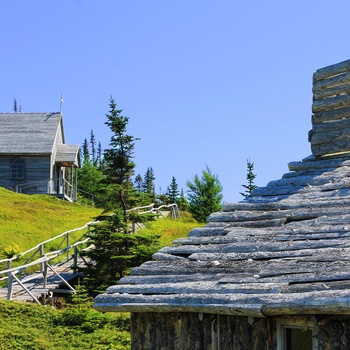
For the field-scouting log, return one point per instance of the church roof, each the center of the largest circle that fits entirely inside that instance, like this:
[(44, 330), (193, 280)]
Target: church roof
[(68, 155), (28, 133)]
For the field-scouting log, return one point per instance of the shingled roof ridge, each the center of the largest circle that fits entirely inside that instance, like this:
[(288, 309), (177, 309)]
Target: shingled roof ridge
[(23, 113)]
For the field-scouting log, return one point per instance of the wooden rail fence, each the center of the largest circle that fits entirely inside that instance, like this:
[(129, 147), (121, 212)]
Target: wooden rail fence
[(41, 257)]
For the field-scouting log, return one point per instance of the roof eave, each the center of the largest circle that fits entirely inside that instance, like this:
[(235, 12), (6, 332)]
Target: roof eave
[(229, 309), (257, 305), (19, 154)]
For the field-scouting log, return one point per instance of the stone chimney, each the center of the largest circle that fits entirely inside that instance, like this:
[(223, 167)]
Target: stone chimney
[(330, 134)]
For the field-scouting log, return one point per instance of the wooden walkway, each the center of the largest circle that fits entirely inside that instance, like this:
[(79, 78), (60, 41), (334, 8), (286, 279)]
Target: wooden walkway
[(34, 283), (34, 286)]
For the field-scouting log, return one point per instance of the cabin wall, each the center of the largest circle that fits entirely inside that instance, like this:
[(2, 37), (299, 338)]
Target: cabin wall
[(333, 332), (36, 174), (177, 331)]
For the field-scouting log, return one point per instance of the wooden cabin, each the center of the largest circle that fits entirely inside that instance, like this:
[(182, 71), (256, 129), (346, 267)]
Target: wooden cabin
[(270, 272), (34, 158)]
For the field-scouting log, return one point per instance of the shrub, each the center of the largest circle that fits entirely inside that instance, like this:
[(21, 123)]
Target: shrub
[(11, 250)]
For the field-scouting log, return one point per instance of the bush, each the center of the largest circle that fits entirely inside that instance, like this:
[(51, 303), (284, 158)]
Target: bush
[(34, 327), (11, 250)]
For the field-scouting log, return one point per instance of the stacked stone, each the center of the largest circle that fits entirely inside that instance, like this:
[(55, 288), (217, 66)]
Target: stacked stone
[(330, 134)]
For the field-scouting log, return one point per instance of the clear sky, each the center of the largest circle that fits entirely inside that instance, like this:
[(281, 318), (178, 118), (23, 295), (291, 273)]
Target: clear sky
[(203, 82)]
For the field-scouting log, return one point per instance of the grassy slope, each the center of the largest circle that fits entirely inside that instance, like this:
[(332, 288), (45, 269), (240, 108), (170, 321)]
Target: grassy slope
[(170, 229), (28, 220)]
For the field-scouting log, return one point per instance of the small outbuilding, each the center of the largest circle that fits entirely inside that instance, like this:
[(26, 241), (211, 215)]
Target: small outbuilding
[(34, 158), (270, 272)]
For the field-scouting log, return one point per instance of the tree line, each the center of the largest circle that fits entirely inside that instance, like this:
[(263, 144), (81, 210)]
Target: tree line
[(110, 176)]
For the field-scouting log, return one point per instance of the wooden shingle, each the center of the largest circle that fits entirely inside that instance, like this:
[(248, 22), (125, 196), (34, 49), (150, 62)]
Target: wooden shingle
[(28, 133)]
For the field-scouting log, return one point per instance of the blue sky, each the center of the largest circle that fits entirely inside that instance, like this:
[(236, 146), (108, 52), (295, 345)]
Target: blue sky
[(203, 82)]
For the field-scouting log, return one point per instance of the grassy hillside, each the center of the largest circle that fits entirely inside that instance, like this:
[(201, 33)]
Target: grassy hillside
[(34, 327), (170, 229), (28, 220)]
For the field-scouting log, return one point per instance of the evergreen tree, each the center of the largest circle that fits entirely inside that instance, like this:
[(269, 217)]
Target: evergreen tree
[(138, 182), (148, 183), (86, 153), (89, 180), (80, 300), (204, 195), (163, 199), (115, 252), (173, 193), (15, 106), (140, 198), (118, 164), (93, 147), (99, 155), (250, 187), (182, 201)]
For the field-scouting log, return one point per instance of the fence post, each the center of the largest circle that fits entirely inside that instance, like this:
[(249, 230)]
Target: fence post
[(9, 282), (68, 244), (45, 275), (41, 251), (75, 260)]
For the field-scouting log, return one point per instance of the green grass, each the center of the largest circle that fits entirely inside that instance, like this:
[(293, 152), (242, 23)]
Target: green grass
[(26, 220), (170, 229), (34, 327)]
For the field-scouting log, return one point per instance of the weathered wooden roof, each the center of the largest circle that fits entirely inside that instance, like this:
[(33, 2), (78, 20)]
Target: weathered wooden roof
[(285, 250), (28, 133), (68, 155)]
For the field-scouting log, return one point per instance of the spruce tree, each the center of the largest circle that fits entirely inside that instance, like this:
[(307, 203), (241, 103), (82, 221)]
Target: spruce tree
[(138, 182), (118, 164), (116, 249), (86, 153), (93, 147), (148, 183), (182, 201), (204, 195), (250, 187), (99, 155), (15, 106), (89, 178), (173, 193), (115, 252)]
